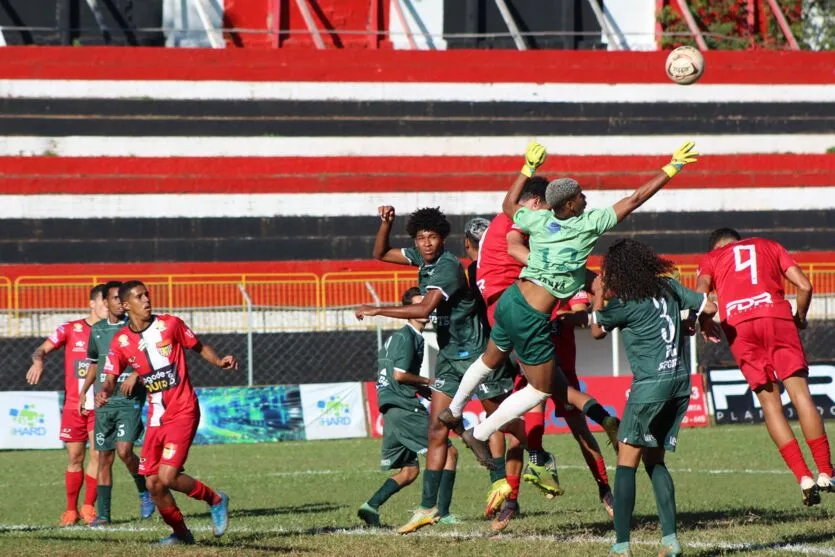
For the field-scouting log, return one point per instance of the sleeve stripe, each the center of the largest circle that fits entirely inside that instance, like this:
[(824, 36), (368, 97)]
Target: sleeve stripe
[(596, 322), (704, 303), (446, 296)]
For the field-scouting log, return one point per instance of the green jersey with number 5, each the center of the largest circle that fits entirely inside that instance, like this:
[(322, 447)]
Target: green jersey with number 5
[(560, 248), (101, 335), (657, 351)]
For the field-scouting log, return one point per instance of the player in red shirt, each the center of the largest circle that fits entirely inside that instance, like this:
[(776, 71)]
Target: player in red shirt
[(748, 277), (154, 347), (76, 428)]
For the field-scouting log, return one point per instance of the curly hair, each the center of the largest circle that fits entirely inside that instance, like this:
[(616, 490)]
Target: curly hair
[(633, 271), (430, 219)]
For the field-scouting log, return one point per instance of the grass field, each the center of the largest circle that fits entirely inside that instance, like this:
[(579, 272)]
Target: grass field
[(734, 498)]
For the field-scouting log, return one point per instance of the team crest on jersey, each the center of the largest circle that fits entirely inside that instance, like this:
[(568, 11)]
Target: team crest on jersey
[(164, 348), (123, 340), (159, 325), (77, 327), (169, 451), (554, 227)]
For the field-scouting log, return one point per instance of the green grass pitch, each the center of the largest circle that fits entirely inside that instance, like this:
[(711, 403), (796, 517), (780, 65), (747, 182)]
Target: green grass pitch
[(735, 497)]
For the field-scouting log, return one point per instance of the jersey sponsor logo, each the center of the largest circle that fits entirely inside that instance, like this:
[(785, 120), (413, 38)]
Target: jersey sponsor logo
[(554, 227), (80, 346), (168, 451), (81, 368), (160, 380), (164, 348), (744, 304), (124, 340), (77, 327)]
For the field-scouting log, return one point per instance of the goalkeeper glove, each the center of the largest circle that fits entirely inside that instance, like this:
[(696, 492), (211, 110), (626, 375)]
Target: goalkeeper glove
[(683, 156), (534, 157)]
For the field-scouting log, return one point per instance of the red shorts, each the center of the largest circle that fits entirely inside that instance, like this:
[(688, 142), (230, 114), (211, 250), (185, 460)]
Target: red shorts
[(75, 427), (766, 350), (168, 444)]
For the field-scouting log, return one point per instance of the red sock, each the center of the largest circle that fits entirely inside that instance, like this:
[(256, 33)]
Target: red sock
[(202, 492), (174, 518), (794, 460), (821, 455), (514, 486), (90, 490), (73, 481), (535, 428), (602, 477)]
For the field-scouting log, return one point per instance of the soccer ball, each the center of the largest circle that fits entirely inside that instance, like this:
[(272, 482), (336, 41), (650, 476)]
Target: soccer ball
[(685, 65)]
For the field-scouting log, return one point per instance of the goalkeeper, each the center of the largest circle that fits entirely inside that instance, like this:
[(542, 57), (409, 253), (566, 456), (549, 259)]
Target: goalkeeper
[(561, 239)]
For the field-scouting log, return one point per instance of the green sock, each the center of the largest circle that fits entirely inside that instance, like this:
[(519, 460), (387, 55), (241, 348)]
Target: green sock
[(389, 488), (665, 497), (498, 471), (445, 492), (140, 483), (103, 500), (624, 502), (595, 412), (431, 484)]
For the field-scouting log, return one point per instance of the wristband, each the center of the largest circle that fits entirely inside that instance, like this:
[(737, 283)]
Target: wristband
[(672, 169)]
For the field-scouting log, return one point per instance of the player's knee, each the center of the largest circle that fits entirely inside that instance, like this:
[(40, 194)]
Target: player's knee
[(408, 475), (153, 484), (438, 432), (125, 453)]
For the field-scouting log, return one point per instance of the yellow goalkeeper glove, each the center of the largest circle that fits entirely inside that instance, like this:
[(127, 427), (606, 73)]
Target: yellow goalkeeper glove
[(683, 156), (534, 157)]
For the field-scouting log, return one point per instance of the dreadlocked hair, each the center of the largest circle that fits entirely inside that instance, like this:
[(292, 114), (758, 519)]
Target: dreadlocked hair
[(430, 219), (633, 271)]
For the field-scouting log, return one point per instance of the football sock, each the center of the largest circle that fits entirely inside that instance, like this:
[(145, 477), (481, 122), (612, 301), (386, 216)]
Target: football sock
[(514, 487), (389, 488), (534, 429), (140, 483), (445, 492), (597, 467), (665, 497), (90, 490), (624, 502), (105, 492), (498, 471), (794, 460), (595, 412), (474, 375), (821, 454), (431, 484), (174, 518), (512, 407), (538, 458), (73, 481), (202, 492)]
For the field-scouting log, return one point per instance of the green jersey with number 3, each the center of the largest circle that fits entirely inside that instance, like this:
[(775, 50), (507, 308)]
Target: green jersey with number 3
[(101, 335), (402, 351), (560, 248), (657, 351), (460, 335)]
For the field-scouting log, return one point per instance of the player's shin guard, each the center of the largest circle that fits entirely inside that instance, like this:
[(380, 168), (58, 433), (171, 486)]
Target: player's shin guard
[(624, 502), (821, 454), (514, 482), (474, 375), (512, 407), (595, 412), (445, 492), (202, 492), (498, 472), (73, 482), (794, 460), (90, 490), (534, 429), (103, 507), (174, 518), (389, 488), (665, 497), (431, 485)]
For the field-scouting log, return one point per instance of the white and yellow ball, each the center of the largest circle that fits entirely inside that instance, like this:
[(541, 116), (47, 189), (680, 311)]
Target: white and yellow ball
[(685, 65)]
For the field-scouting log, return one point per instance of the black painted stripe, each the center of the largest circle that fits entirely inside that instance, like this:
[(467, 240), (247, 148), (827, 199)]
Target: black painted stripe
[(144, 117)]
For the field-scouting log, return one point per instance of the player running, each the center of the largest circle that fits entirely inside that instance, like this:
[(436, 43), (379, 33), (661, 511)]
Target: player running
[(405, 420), (449, 304), (561, 240), (153, 347), (76, 424), (119, 422), (646, 307), (748, 276)]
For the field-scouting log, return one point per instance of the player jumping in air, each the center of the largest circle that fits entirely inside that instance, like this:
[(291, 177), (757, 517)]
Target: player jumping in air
[(757, 320), (119, 423), (646, 307), (561, 240), (76, 426), (449, 304), (405, 420), (152, 346)]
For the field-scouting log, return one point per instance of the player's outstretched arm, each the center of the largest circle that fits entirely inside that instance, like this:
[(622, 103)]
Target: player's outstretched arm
[(682, 157), (430, 301), (382, 250), (535, 155), (208, 353), (804, 294), (33, 376)]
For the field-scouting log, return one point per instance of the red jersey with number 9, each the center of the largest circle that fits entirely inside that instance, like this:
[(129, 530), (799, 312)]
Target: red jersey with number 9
[(748, 279), (156, 354), (496, 270)]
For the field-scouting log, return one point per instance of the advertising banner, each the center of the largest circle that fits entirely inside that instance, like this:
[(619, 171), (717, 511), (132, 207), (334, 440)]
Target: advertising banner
[(734, 402), (333, 410), (30, 420)]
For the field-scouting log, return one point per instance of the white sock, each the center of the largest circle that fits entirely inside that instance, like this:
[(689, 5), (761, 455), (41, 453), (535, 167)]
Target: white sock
[(511, 408), (474, 375)]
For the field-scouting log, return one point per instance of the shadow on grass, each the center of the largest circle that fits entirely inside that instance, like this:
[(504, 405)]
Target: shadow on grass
[(306, 508)]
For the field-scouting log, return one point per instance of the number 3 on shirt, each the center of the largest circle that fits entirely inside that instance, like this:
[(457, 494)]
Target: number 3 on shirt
[(750, 261)]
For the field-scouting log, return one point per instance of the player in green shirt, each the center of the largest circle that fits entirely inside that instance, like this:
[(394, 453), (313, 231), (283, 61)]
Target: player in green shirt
[(449, 304), (646, 306), (119, 422), (561, 239), (405, 420)]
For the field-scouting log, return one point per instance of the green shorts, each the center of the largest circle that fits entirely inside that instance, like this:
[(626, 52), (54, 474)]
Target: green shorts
[(117, 425), (519, 326), (448, 374), (405, 436), (650, 423), (499, 383)]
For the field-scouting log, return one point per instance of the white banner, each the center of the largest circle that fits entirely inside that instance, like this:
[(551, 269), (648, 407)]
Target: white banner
[(29, 420), (333, 410)]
